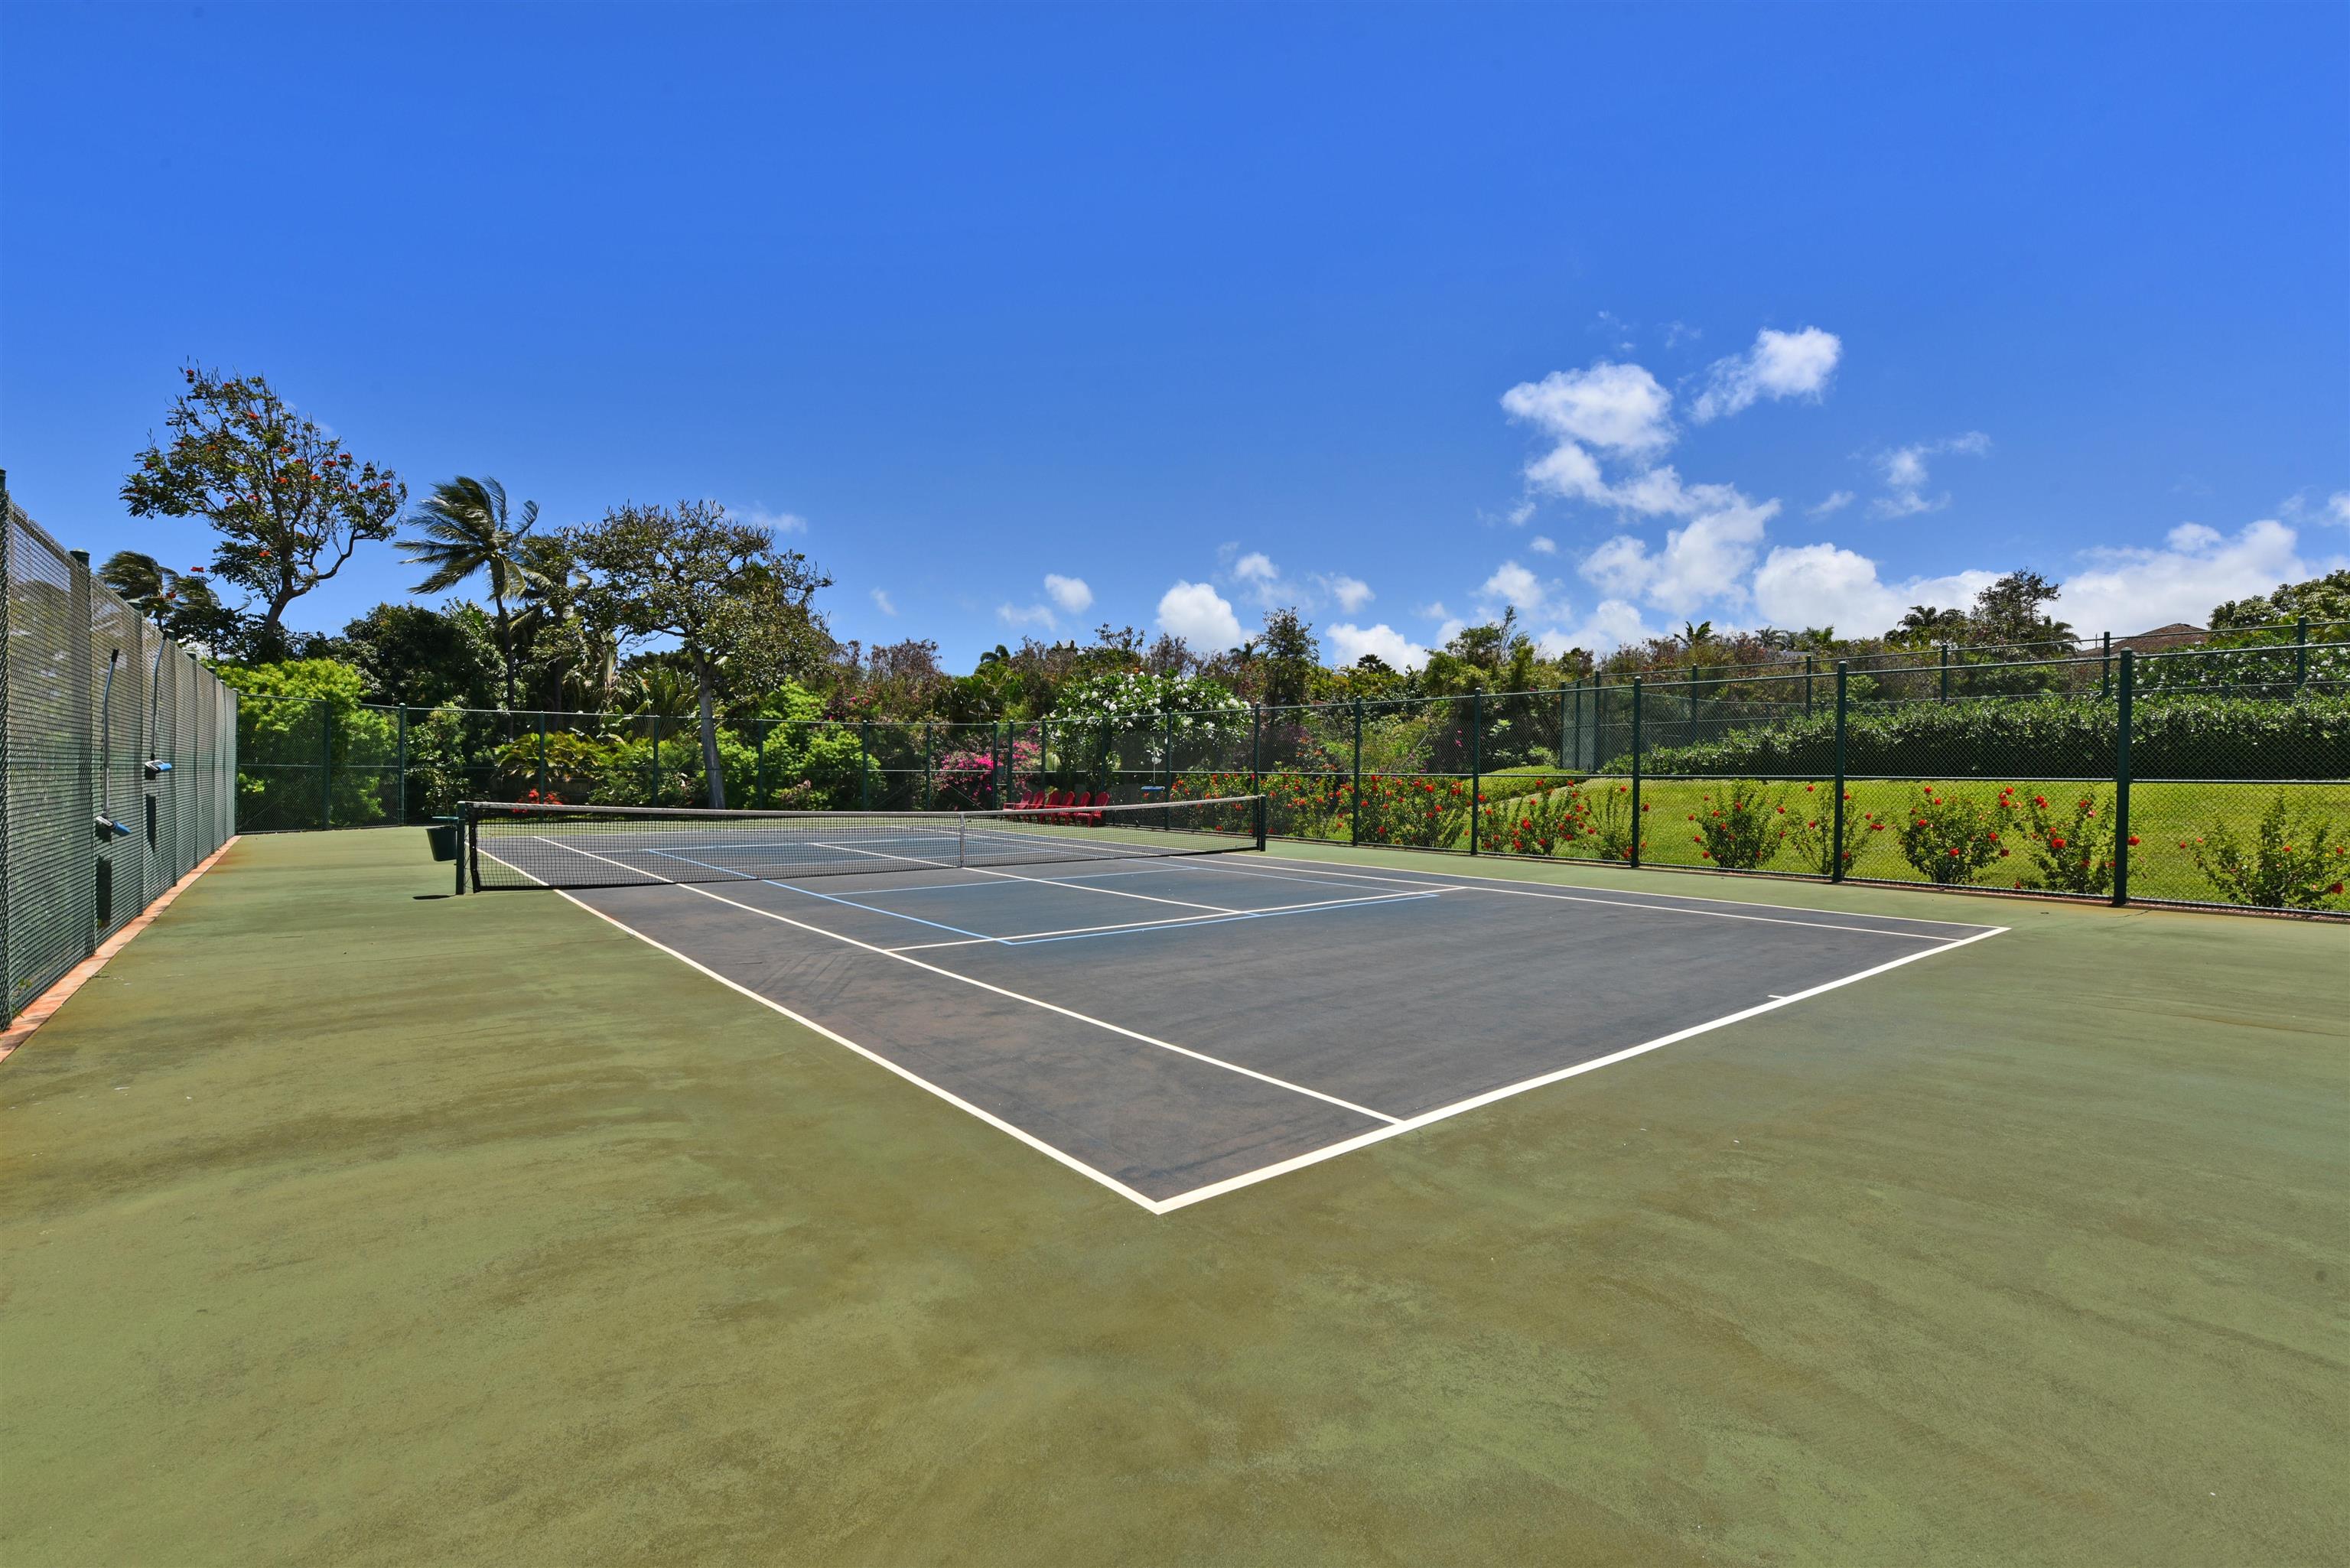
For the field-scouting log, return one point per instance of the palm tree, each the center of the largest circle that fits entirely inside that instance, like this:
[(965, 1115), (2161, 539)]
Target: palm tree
[(465, 531), (580, 657)]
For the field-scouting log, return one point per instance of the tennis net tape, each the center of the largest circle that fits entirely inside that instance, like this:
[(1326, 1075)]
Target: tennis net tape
[(537, 846)]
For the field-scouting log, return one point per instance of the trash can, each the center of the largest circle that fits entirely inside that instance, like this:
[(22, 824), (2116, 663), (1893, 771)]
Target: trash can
[(442, 834)]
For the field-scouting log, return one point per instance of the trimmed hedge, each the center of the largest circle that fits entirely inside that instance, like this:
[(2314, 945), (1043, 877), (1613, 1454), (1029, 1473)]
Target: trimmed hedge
[(2183, 736)]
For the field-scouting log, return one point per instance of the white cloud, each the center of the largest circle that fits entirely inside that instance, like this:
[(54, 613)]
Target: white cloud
[(1836, 501), (1070, 593), (1541, 545), (1038, 616), (1520, 513), (1352, 642), (1780, 365), (1200, 616), (1256, 566), (1513, 587), (774, 522), (881, 602), (1703, 559), (2337, 505), (1616, 407), (1352, 593), (1610, 624), (1825, 584), (1454, 627), (1679, 332), (2129, 591), (1905, 474)]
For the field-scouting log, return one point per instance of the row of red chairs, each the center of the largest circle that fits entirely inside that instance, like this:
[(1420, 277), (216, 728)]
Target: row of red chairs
[(1073, 806)]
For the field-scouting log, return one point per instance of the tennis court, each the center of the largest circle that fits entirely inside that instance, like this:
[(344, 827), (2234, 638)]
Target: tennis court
[(1169, 1017)]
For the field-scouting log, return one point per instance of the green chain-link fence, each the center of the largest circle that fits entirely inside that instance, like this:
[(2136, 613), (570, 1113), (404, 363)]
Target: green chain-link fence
[(2226, 758), (118, 759)]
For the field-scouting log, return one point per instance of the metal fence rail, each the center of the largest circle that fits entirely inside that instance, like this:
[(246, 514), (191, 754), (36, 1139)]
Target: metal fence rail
[(118, 759)]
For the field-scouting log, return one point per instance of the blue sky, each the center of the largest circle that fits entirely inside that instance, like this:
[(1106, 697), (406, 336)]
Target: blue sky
[(1020, 319)]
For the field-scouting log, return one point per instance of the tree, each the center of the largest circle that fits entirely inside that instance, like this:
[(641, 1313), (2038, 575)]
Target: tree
[(2324, 600), (1925, 627), (421, 657), (568, 650), (181, 603), (1292, 654), (465, 531), (738, 607), (2009, 612), (290, 503)]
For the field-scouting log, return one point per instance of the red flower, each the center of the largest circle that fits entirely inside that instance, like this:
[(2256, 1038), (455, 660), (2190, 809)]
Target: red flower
[(2133, 839)]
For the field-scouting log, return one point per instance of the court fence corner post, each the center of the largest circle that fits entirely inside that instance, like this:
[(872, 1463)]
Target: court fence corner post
[(1836, 856), (2122, 778), (326, 764), (1354, 821), (1476, 764), (400, 762), (1633, 853)]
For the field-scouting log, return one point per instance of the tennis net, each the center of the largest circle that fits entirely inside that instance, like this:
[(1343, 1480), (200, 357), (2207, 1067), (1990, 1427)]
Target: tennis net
[(537, 846)]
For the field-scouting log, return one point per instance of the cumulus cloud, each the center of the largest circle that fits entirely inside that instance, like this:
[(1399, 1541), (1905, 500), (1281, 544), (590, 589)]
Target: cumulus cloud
[(1905, 474), (774, 522), (2337, 506), (1513, 587), (881, 602), (1620, 410), (1611, 624), (2198, 566), (1779, 365), (1038, 616), (1070, 593), (1201, 616), (1836, 501), (1543, 546), (1351, 593), (1826, 585), (1351, 642), (1705, 559)]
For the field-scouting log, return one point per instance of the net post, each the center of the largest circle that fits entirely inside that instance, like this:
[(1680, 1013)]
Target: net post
[(1476, 764), (1354, 821), (468, 847), (962, 826), (2122, 780), (1633, 853), (1260, 814), (1836, 802)]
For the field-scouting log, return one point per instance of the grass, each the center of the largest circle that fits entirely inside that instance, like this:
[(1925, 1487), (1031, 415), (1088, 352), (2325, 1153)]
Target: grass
[(2164, 816), (345, 1223)]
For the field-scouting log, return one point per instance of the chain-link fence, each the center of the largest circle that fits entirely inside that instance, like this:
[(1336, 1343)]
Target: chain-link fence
[(2226, 759), (118, 759)]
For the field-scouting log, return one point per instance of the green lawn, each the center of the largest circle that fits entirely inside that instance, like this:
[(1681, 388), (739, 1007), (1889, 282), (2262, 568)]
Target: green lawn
[(344, 1223)]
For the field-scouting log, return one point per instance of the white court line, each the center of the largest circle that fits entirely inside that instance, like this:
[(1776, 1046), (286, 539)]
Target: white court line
[(1035, 1002), (1475, 1102), (1173, 922), (1489, 885), (1513, 884)]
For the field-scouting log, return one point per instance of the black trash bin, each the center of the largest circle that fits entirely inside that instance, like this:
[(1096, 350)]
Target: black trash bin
[(442, 834)]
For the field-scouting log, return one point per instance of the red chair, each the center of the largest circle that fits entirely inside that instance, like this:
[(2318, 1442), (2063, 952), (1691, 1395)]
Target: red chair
[(1059, 797), (1098, 799)]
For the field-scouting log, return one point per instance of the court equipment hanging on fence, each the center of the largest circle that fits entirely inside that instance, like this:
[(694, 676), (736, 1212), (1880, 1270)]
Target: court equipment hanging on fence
[(536, 846)]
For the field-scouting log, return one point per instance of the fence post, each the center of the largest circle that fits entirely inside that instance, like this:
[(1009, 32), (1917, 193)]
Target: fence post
[(1836, 802), (1167, 765), (2122, 780), (2105, 669), (865, 764), (654, 777), (1476, 764), (759, 797), (541, 751), (1256, 738), (1946, 673), (1633, 855), (399, 760), (326, 764), (1807, 686), (929, 785), (1355, 822), (78, 675), (2301, 654)]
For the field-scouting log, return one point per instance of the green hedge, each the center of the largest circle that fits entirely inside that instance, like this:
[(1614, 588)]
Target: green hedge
[(2179, 736)]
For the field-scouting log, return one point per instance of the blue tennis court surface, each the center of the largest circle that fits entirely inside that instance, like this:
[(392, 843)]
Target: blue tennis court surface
[(1177, 1028)]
